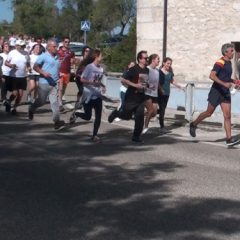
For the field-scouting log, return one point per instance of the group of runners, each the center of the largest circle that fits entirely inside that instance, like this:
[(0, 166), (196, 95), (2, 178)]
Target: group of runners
[(145, 86)]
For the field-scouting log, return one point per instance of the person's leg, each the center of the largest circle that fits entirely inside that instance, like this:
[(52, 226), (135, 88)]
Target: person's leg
[(162, 103), (226, 109), (150, 112), (80, 92), (3, 88), (122, 98), (66, 82), (125, 112), (35, 90), (87, 114), (43, 92), (21, 86), (53, 98), (139, 121), (18, 98), (205, 114), (62, 87), (97, 105), (60, 90)]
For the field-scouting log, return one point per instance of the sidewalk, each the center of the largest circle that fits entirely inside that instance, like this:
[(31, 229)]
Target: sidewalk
[(171, 115)]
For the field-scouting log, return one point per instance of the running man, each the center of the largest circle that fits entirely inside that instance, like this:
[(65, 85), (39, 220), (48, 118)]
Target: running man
[(47, 65), (219, 93), (66, 57), (136, 80)]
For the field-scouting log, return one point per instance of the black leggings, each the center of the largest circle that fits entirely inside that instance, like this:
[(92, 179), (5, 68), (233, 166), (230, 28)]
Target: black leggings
[(162, 103), (95, 104)]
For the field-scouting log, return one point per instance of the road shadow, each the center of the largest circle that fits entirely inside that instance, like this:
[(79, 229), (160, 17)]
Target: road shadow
[(88, 199), (61, 186)]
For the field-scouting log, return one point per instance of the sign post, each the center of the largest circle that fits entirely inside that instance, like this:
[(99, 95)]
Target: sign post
[(85, 26)]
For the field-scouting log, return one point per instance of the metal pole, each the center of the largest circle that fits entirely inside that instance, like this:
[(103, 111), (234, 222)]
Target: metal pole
[(165, 28), (85, 37)]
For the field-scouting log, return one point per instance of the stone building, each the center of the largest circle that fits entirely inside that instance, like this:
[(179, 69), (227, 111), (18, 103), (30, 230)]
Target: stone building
[(196, 30)]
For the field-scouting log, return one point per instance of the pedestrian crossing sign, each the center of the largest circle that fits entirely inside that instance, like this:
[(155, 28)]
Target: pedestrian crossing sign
[(85, 25)]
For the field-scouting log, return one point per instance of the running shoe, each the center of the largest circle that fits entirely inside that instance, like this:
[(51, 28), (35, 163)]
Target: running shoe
[(96, 139), (192, 130), (7, 106), (29, 98), (145, 130), (30, 114), (61, 108), (14, 111), (73, 118), (232, 141), (112, 116), (137, 140), (59, 125), (164, 130)]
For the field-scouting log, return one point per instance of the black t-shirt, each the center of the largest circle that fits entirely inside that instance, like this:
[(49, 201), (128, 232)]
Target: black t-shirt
[(223, 71), (137, 74)]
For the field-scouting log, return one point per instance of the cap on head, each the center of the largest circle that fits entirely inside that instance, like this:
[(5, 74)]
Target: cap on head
[(20, 42)]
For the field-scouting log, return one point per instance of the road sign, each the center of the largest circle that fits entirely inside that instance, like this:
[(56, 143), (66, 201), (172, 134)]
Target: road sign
[(85, 25)]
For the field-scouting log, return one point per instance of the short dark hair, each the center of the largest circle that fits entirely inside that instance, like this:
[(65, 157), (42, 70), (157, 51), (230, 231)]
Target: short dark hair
[(139, 55), (66, 37), (84, 49)]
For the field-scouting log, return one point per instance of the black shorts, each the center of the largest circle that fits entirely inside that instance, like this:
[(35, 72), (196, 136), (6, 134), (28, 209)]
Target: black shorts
[(216, 97), (8, 83), (33, 77), (154, 99), (18, 83)]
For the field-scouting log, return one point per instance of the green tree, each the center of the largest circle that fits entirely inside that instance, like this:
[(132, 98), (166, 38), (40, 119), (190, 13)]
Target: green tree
[(32, 17), (117, 58)]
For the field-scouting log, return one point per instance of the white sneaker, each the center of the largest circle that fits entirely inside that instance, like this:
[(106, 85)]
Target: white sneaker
[(145, 130), (117, 119), (29, 98), (69, 106), (63, 98), (96, 139)]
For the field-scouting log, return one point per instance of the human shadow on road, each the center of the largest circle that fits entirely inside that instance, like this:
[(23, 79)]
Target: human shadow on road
[(61, 186), (50, 199)]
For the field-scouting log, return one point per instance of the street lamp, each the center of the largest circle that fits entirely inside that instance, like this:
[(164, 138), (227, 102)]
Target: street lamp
[(165, 28)]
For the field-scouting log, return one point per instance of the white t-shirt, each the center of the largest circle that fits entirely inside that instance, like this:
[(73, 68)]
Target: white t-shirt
[(153, 80), (21, 60), (33, 58), (5, 69), (92, 73), (12, 41)]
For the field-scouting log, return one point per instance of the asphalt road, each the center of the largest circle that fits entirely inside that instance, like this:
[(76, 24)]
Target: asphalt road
[(61, 186)]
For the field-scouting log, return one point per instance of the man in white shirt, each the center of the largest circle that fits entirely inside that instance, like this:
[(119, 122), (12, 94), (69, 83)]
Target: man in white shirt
[(19, 62), (5, 84)]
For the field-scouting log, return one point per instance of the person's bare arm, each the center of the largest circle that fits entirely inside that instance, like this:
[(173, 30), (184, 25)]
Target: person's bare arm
[(213, 77), (38, 69), (128, 83)]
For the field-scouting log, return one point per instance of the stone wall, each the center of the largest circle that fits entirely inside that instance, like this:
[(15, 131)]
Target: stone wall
[(196, 31)]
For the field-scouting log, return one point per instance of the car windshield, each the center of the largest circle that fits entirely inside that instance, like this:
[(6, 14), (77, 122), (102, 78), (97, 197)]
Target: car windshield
[(77, 50)]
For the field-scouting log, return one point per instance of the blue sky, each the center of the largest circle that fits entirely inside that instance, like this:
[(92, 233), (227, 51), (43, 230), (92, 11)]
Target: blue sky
[(6, 12)]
